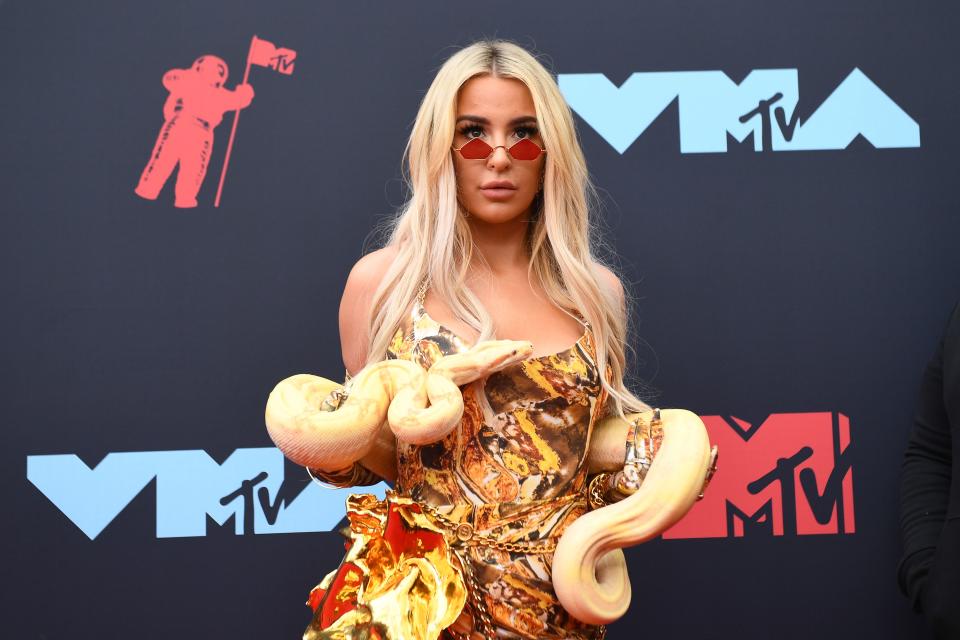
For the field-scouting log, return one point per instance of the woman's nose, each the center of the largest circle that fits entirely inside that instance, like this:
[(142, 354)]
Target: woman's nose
[(499, 158)]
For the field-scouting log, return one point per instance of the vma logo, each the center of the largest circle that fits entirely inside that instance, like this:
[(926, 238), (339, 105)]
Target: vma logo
[(248, 488), (712, 107), (789, 475)]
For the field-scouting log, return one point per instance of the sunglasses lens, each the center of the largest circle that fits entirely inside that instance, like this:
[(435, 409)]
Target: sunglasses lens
[(525, 149), (476, 149)]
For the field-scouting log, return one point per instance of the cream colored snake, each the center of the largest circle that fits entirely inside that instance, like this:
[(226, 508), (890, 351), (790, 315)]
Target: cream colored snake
[(399, 397), (589, 569), (419, 406)]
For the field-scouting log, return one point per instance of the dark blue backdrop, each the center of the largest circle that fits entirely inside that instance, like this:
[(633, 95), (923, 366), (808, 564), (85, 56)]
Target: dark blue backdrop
[(769, 282)]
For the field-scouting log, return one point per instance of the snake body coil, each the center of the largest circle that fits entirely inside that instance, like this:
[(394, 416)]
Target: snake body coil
[(421, 406)]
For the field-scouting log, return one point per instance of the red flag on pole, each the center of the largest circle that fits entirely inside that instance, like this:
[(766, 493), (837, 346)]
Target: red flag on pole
[(265, 54)]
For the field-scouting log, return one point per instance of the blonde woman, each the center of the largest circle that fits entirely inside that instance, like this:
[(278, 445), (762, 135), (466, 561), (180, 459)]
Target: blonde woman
[(494, 243)]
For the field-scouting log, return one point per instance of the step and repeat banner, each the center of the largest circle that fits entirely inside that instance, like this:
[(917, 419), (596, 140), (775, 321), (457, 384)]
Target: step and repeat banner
[(186, 185)]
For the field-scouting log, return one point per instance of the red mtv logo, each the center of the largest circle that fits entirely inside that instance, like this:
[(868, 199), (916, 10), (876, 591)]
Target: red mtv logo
[(789, 475)]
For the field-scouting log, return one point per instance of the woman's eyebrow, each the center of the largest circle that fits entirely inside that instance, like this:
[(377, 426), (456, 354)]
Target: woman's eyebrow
[(482, 120)]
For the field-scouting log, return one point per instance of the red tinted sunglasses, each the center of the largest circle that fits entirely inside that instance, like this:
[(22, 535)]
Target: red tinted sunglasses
[(523, 149)]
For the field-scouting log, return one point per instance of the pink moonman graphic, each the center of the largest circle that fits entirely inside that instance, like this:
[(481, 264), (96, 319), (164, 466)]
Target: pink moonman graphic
[(194, 108)]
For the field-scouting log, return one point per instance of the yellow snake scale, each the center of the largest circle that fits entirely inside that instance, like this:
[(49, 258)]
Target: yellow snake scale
[(422, 406)]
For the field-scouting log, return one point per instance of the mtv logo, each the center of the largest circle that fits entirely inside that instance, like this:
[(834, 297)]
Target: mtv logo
[(283, 61), (713, 108), (789, 475)]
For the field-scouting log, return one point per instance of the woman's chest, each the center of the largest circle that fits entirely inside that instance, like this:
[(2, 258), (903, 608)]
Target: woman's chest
[(525, 429), (517, 312), (569, 374)]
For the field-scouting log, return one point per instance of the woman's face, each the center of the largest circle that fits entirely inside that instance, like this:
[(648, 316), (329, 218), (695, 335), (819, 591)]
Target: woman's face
[(501, 112)]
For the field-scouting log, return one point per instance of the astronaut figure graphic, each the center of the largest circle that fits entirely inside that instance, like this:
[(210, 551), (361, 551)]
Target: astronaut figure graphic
[(194, 108)]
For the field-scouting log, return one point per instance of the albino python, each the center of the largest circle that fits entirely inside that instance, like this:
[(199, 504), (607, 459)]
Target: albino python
[(420, 406), (589, 569)]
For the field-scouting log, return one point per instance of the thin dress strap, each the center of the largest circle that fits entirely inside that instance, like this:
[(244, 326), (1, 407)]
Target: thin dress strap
[(415, 311), (580, 318), (421, 294)]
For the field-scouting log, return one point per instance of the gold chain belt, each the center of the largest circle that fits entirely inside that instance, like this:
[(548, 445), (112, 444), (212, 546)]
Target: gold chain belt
[(464, 533)]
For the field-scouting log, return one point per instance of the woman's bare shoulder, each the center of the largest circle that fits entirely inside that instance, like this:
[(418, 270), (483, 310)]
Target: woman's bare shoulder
[(611, 281), (362, 283), (370, 269)]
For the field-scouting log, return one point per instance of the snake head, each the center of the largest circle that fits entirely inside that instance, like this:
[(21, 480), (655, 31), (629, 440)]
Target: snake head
[(482, 359), (500, 354)]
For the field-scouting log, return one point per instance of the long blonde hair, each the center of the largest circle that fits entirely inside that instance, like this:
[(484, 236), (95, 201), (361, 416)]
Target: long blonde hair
[(434, 241)]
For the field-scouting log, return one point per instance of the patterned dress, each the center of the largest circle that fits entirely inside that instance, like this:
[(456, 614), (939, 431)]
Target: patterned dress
[(515, 470)]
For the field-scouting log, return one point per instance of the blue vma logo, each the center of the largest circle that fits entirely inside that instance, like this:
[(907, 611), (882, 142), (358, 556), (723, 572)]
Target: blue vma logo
[(190, 487), (711, 106)]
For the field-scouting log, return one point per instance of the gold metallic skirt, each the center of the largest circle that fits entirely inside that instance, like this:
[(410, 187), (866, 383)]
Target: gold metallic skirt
[(398, 581), (413, 570)]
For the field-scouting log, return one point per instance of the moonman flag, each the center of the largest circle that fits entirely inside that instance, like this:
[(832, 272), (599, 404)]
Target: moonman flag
[(265, 54)]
